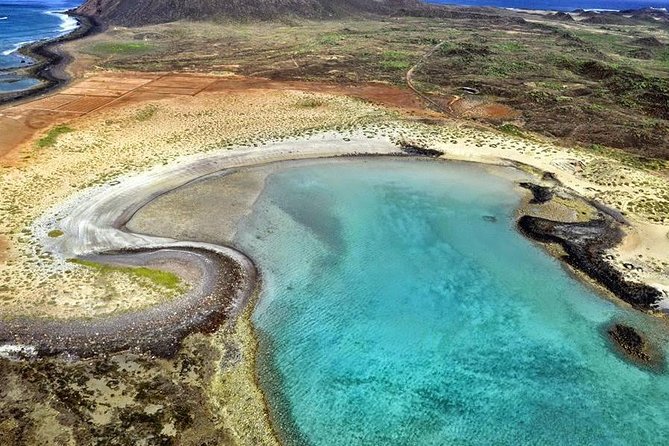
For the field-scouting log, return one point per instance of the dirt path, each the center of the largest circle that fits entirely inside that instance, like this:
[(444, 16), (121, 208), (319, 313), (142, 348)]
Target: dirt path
[(412, 86)]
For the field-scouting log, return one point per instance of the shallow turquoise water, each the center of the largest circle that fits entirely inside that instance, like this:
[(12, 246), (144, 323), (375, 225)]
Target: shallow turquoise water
[(393, 313)]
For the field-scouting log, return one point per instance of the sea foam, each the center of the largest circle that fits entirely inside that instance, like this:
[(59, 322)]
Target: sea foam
[(14, 49), (68, 23)]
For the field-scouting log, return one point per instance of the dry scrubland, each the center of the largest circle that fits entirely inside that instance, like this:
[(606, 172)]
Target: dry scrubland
[(532, 77), (585, 83), (100, 148)]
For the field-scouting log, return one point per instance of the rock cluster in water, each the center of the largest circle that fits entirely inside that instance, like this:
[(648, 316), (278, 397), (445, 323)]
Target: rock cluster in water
[(634, 345), (540, 194)]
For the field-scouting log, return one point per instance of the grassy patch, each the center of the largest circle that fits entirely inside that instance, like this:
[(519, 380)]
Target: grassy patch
[(159, 278), (330, 39), (395, 60), (501, 68), (52, 135), (631, 160), (663, 58), (511, 129), (310, 102), (510, 47), (551, 85), (55, 233), (120, 48)]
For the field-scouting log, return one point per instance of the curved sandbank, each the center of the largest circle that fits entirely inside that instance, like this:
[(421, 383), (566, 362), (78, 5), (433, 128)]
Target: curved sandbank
[(94, 225), (49, 60), (224, 280), (94, 229)]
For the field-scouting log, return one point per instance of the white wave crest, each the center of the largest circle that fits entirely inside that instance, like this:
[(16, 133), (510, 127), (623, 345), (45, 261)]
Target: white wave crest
[(67, 23), (4, 18), (14, 49)]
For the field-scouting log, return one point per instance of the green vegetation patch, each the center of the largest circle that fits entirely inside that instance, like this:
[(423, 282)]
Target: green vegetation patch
[(663, 58), (629, 159), (159, 278), (330, 39), (510, 47), (52, 135), (395, 60), (511, 129), (120, 48)]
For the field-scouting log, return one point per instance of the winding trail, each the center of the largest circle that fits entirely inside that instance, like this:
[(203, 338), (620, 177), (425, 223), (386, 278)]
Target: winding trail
[(94, 229), (412, 86)]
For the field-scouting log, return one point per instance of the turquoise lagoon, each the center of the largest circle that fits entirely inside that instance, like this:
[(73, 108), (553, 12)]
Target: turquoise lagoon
[(395, 311)]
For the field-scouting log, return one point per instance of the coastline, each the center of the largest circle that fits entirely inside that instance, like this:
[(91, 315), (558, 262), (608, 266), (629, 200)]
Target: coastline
[(49, 60), (334, 137), (75, 188), (100, 233)]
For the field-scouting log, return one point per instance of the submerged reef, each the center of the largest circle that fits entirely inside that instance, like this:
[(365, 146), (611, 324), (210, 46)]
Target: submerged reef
[(635, 346)]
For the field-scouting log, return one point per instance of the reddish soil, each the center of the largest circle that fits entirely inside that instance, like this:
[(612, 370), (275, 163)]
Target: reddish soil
[(479, 108), (378, 93), (20, 123), (86, 104)]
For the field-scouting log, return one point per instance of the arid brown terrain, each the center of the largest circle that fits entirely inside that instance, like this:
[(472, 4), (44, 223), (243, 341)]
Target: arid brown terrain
[(598, 80)]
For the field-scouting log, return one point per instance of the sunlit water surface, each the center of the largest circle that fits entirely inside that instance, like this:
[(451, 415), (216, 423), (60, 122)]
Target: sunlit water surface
[(395, 312)]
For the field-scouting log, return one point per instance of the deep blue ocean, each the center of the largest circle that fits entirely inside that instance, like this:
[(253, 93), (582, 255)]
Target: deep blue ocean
[(24, 21), (562, 5), (400, 306)]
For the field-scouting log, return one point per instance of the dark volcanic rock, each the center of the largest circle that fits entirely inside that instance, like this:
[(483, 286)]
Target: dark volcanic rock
[(158, 330), (561, 17), (412, 149), (606, 18), (648, 42), (654, 15), (541, 194), (144, 12), (50, 60), (642, 53), (633, 345), (585, 245)]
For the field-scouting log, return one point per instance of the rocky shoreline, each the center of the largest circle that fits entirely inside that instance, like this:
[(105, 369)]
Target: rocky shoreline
[(49, 61), (585, 245), (223, 288), (635, 347)]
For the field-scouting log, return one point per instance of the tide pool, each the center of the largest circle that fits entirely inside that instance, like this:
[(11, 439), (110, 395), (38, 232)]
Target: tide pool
[(401, 307)]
